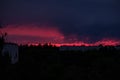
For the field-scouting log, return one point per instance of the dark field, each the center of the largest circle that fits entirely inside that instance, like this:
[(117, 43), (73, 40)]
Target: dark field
[(48, 63)]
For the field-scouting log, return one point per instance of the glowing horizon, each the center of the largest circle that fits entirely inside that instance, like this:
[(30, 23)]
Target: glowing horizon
[(34, 34)]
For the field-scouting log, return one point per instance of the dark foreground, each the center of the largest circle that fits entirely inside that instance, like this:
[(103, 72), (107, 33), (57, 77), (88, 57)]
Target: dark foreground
[(37, 63)]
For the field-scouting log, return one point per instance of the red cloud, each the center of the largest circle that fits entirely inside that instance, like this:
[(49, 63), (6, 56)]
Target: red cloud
[(34, 34), (34, 31)]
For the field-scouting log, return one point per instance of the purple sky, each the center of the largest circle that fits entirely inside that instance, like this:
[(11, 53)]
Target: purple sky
[(75, 20)]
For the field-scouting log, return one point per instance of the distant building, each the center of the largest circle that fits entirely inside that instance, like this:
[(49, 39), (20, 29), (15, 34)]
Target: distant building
[(11, 49), (78, 48), (117, 47)]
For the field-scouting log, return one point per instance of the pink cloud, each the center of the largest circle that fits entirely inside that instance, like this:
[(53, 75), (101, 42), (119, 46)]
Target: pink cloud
[(26, 34)]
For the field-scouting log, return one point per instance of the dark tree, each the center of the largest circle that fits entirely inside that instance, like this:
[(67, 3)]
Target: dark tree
[(2, 42)]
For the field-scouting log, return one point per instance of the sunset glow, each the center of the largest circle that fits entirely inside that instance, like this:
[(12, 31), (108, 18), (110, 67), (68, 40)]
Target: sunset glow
[(34, 34)]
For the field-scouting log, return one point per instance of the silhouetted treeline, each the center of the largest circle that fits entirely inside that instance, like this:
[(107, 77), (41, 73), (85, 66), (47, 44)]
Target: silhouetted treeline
[(48, 62)]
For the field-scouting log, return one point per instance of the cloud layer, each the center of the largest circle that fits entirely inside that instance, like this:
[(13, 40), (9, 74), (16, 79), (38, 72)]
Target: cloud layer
[(75, 20), (35, 34)]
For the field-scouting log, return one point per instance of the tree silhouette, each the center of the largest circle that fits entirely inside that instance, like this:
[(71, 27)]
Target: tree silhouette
[(2, 42), (2, 39)]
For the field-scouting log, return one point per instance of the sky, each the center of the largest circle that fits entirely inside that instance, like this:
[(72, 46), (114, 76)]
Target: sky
[(61, 21)]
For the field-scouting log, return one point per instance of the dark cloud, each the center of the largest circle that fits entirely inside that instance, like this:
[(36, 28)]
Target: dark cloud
[(85, 18)]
